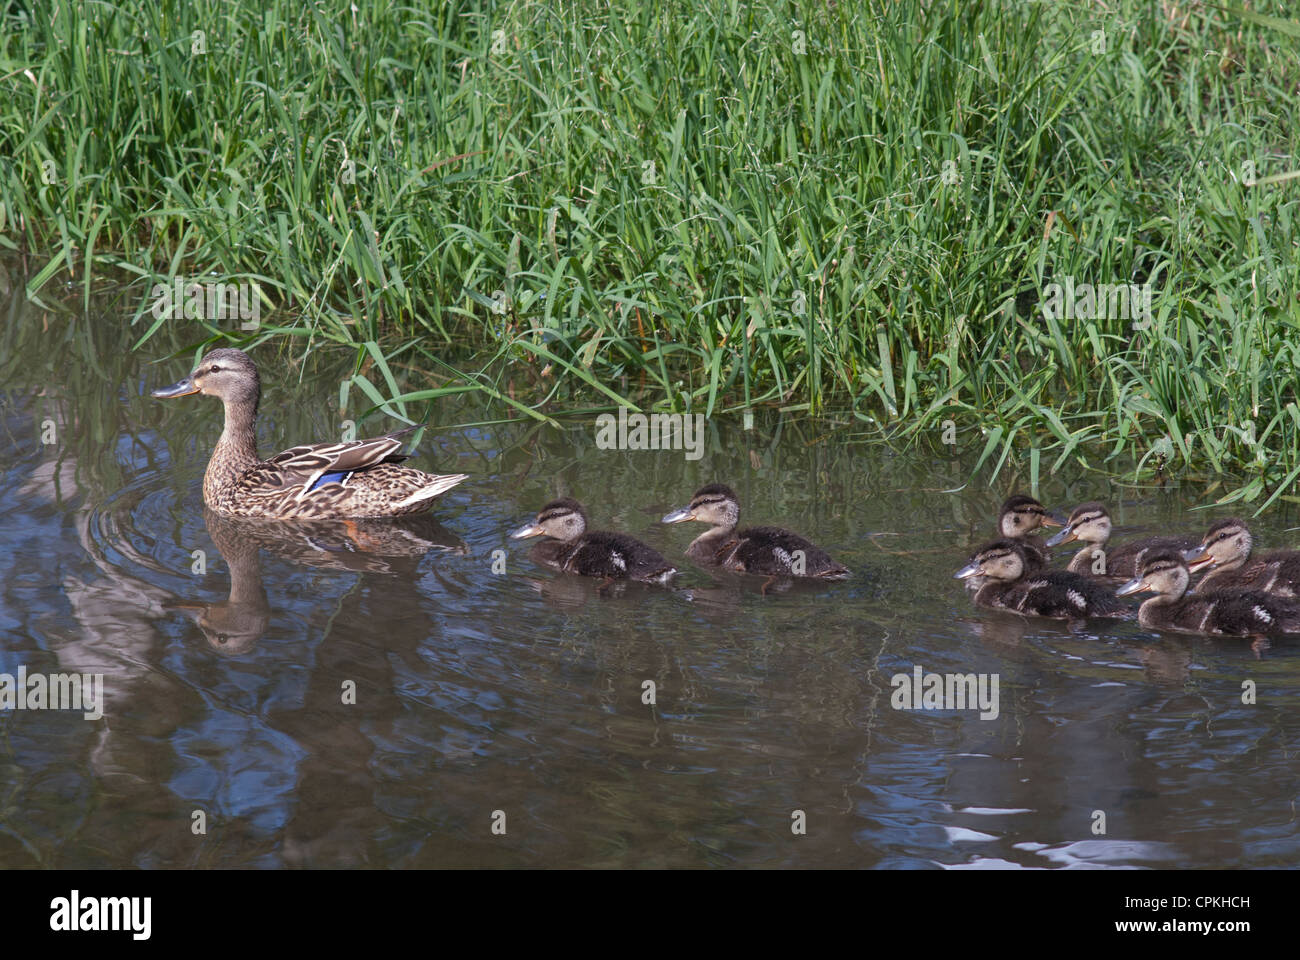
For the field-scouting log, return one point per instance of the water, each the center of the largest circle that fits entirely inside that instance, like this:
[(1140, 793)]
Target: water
[(522, 692)]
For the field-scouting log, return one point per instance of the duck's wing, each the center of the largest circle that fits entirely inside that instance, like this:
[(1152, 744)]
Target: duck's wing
[(771, 550), (307, 463), (618, 555)]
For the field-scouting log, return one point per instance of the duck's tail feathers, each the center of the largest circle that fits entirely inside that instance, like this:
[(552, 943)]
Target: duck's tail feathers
[(440, 485)]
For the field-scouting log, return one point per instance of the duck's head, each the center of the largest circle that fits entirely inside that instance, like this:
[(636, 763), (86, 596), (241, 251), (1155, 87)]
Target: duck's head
[(715, 505), (563, 519), (1164, 574), (1000, 560), (1089, 523), (225, 373), (1225, 544), (1020, 516), (232, 627)]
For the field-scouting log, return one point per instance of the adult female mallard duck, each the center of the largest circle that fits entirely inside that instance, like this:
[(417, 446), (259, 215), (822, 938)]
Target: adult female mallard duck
[(595, 553), (1091, 525), (768, 551), (1225, 549), (1008, 583), (1020, 519), (317, 481), (1251, 613)]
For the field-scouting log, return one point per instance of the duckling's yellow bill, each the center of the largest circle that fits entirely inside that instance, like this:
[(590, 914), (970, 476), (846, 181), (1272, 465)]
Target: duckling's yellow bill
[(1136, 585), (1196, 558), (181, 388), (677, 516), (526, 531)]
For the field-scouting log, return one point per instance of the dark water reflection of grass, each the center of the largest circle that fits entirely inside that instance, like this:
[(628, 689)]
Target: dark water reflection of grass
[(478, 692)]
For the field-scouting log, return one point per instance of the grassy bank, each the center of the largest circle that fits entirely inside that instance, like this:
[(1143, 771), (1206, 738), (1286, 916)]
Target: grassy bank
[(837, 206)]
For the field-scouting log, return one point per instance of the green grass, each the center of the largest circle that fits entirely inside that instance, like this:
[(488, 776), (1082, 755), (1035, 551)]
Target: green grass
[(848, 208)]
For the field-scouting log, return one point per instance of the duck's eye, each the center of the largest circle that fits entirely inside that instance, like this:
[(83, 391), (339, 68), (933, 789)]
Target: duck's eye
[(214, 369)]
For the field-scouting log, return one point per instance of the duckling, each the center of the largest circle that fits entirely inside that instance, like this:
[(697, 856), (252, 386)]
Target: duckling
[(1090, 523), (770, 551), (1251, 613), (1226, 548), (1009, 583), (572, 549), (1019, 519)]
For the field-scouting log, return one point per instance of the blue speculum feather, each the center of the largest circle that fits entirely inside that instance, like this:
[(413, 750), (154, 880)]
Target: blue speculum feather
[(335, 477)]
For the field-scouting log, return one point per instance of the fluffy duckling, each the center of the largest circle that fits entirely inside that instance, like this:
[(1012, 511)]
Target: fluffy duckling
[(1009, 583), (768, 551), (1090, 524), (596, 553), (1225, 549), (1250, 613), (1020, 519)]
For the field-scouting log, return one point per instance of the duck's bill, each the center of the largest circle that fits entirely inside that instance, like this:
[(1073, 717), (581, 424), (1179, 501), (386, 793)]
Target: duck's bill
[(1197, 559), (185, 606), (967, 571), (1133, 586), (677, 516), (1049, 520), (526, 531), (181, 388), (1065, 536)]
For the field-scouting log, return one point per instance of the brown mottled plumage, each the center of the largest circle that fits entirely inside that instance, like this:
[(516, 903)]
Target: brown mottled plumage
[(1215, 612), (354, 479), (768, 551), (1019, 519), (595, 553), (1008, 582), (1091, 525), (1226, 550)]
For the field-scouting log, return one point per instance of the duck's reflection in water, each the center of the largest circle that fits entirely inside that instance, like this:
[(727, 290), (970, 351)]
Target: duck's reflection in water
[(721, 598), (726, 594), (998, 629), (1166, 662), (388, 545), (572, 592)]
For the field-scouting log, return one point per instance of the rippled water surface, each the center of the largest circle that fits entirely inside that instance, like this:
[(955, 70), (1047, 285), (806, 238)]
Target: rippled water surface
[(227, 652)]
